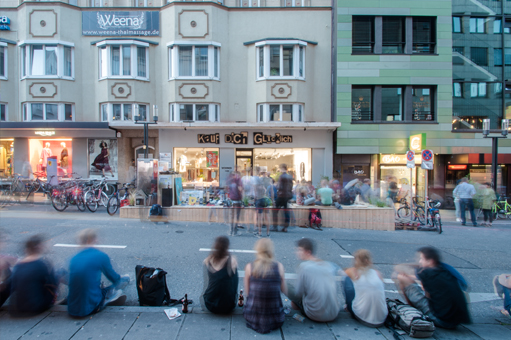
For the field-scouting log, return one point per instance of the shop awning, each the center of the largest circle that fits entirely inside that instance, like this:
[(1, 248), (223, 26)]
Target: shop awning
[(56, 129)]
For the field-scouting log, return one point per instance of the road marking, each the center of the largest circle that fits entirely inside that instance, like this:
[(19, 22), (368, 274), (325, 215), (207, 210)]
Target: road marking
[(96, 246), (347, 256), (232, 250), (388, 281)]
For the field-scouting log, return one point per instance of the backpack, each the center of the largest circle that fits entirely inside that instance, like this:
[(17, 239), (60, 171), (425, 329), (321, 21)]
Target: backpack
[(155, 210), (409, 319), (152, 287)]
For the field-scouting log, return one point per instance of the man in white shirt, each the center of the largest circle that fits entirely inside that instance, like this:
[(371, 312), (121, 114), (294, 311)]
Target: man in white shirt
[(465, 191)]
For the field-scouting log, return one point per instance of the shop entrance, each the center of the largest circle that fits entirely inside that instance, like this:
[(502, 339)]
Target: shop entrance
[(244, 161)]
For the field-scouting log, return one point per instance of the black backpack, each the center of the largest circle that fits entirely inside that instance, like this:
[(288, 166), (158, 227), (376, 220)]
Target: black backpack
[(409, 319), (155, 210), (152, 287)]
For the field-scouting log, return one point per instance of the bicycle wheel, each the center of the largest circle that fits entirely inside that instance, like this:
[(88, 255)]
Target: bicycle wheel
[(5, 197), (403, 212), (90, 201), (103, 200), (420, 214), (33, 189), (59, 202), (109, 190), (80, 202), (438, 223), (502, 212), (113, 205)]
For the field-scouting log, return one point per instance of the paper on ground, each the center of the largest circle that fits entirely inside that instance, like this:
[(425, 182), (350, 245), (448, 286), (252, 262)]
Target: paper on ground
[(172, 313)]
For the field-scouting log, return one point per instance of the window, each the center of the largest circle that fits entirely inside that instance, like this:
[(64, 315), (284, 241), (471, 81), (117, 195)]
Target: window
[(115, 112), (456, 24), (393, 35), (456, 90), (280, 113), (477, 25), (477, 90), (3, 62), (281, 60), (47, 60), (362, 34), (479, 55), (194, 112), (421, 103), (361, 103), (424, 35), (392, 103), (497, 57), (48, 111), (194, 61), (497, 27), (3, 112), (123, 60)]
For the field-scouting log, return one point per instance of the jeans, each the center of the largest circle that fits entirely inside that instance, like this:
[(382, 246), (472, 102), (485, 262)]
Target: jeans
[(487, 215), (281, 203), (467, 203), (348, 291), (236, 206), (297, 300), (507, 299)]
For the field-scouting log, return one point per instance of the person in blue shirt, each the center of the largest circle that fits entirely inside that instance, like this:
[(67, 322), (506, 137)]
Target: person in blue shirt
[(86, 296)]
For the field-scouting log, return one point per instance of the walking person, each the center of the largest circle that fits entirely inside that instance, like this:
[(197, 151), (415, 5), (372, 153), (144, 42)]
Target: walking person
[(315, 292), (235, 190), (284, 194), (364, 292), (488, 197), (502, 288), (263, 282), (466, 191), (220, 279), (261, 213), (86, 295), (457, 202)]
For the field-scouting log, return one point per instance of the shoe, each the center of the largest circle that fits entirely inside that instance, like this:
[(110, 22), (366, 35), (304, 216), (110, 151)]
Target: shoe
[(475, 225), (120, 301), (284, 230), (257, 235), (458, 219), (497, 287), (112, 296), (125, 279), (463, 224), (505, 312), (489, 225)]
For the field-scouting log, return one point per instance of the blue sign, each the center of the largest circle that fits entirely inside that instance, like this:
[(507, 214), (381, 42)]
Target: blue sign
[(4, 23), (115, 23)]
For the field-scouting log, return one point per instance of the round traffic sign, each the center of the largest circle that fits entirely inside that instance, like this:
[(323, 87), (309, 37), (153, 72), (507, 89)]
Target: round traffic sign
[(410, 155), (427, 155)]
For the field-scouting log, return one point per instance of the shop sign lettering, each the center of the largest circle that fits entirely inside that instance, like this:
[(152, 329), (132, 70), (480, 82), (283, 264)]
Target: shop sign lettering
[(121, 23), (4, 23), (212, 138), (45, 133), (391, 159), (358, 172), (260, 138), (237, 138)]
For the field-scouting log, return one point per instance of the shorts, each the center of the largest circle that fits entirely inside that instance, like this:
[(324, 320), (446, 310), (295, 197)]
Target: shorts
[(260, 204)]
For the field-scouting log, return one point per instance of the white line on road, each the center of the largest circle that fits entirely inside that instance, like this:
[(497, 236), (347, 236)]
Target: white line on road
[(347, 256), (232, 250), (388, 281), (97, 246)]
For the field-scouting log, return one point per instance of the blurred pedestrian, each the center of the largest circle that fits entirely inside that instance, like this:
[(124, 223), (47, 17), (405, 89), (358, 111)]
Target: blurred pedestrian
[(325, 194), (364, 291), (284, 194), (466, 191), (442, 299), (220, 278), (365, 190), (6, 264), (235, 190), (457, 202), (263, 282), (86, 295), (260, 201), (488, 197), (502, 288), (315, 293), (34, 283)]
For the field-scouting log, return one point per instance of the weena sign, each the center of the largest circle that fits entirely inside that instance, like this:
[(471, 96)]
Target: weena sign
[(116, 23), (242, 138), (4, 23)]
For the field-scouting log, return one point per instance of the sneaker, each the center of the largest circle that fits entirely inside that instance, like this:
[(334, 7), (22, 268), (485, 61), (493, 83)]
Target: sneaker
[(125, 279), (497, 287), (458, 219), (505, 312), (120, 301), (112, 296)]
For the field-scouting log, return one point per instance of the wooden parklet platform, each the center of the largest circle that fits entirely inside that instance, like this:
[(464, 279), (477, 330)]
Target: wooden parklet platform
[(350, 217)]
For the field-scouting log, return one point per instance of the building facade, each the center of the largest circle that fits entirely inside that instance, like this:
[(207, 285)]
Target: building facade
[(417, 75), (230, 84)]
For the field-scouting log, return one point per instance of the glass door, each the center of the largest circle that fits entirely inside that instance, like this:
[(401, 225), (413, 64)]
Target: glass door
[(244, 161)]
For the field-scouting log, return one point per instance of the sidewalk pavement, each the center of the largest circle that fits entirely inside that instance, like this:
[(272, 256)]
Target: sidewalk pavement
[(131, 323)]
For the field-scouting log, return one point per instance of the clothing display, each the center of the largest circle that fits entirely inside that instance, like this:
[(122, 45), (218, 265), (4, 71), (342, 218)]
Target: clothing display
[(45, 153), (64, 158)]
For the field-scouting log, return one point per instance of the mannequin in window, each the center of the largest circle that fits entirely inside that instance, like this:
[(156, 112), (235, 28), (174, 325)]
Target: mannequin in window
[(64, 156), (45, 153), (101, 160)]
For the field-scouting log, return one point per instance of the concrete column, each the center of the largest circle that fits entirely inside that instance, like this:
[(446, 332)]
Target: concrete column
[(81, 161), (408, 35), (318, 166), (226, 163), (378, 35), (20, 154), (377, 104), (407, 105)]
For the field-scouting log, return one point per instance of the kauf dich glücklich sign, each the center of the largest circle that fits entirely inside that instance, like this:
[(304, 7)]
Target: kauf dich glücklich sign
[(116, 23)]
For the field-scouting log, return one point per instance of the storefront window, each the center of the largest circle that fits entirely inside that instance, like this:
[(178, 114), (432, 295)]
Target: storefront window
[(6, 157), (400, 176), (42, 151), (198, 167), (103, 157), (298, 161)]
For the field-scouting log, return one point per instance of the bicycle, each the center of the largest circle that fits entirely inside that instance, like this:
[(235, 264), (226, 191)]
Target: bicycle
[(68, 193), (434, 220), (14, 191), (405, 210), (115, 201), (38, 185), (501, 209), (96, 195)]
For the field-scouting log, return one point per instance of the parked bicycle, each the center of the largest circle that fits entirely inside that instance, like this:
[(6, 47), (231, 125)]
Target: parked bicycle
[(96, 194), (68, 193), (14, 191), (38, 185), (116, 201), (434, 221), (405, 210), (501, 209)]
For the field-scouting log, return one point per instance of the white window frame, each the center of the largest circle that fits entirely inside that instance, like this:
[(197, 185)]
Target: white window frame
[(110, 111), (213, 110), (478, 90), (25, 62), (107, 45), (97, 3), (173, 57), (460, 24), (457, 90), (6, 61), (61, 114), (477, 25), (6, 112), (296, 59), (292, 3), (137, 3), (295, 114)]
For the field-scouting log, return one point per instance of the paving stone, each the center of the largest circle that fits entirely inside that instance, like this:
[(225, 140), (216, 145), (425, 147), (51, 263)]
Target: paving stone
[(154, 326), (459, 333), (344, 328), (293, 329), (490, 332), (57, 326), (107, 326), (205, 326), (13, 328), (239, 330)]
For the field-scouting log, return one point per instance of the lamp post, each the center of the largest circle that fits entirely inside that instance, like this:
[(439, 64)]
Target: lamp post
[(138, 120), (495, 146)]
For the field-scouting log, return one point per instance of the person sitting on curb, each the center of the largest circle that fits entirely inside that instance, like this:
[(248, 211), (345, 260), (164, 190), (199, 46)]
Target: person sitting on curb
[(364, 291), (86, 296), (220, 279), (315, 293), (325, 194), (442, 299), (502, 288)]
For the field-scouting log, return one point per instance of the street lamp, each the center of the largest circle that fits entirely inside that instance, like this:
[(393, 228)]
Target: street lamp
[(138, 120), (495, 145)]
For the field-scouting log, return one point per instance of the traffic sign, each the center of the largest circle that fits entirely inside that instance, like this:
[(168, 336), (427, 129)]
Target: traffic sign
[(410, 159), (427, 159)]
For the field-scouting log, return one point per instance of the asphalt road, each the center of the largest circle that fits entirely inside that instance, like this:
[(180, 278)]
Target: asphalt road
[(478, 253)]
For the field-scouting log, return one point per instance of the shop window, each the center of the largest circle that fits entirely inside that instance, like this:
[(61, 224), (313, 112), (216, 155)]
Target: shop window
[(421, 103), (456, 24), (42, 151), (6, 156), (198, 168), (280, 60), (3, 62), (362, 34), (392, 103), (457, 90), (298, 161), (3, 112), (280, 113), (47, 60), (361, 103), (477, 25), (393, 35), (424, 39), (103, 156), (194, 112), (124, 61), (194, 61), (479, 55), (114, 112), (48, 112)]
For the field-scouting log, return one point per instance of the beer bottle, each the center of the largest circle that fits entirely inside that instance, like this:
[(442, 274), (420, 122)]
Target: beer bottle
[(240, 299), (184, 308)]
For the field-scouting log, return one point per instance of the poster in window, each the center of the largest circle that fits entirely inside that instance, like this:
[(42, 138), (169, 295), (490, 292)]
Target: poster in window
[(103, 158), (212, 159)]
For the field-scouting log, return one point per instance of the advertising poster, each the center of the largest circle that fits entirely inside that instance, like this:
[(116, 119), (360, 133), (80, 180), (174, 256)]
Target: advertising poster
[(117, 23), (103, 157), (212, 159)]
